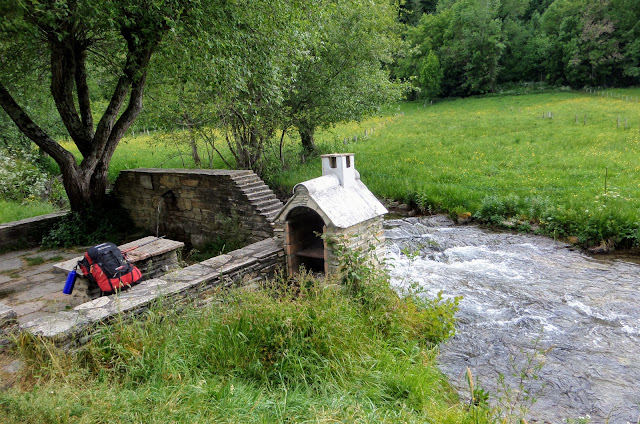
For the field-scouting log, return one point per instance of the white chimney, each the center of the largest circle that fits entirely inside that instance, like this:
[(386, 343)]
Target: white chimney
[(342, 166)]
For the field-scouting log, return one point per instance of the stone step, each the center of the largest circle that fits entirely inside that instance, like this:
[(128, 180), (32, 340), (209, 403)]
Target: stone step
[(271, 215), (244, 179), (260, 196), (247, 179), (270, 208), (265, 204), (253, 185), (253, 189)]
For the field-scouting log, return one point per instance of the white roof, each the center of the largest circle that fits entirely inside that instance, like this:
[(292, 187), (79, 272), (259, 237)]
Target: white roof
[(344, 207)]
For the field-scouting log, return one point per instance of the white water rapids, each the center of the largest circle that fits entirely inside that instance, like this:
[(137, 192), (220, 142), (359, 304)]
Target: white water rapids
[(519, 290)]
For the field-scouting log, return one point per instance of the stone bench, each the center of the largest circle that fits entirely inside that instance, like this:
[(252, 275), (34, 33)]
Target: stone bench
[(153, 259)]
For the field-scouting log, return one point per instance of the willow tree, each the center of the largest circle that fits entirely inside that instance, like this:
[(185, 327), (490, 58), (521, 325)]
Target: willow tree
[(60, 43)]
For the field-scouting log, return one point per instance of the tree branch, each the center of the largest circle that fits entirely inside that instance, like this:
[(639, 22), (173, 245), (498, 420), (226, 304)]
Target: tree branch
[(83, 90), (33, 131), (63, 70)]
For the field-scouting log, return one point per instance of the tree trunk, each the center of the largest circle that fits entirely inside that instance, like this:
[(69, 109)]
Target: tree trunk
[(194, 148), (306, 137)]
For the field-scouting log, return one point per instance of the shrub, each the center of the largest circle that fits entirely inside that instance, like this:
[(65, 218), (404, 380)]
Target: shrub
[(90, 226), (20, 178), (495, 209), (411, 315)]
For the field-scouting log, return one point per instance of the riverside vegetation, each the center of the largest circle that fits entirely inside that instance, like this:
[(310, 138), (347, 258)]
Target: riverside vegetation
[(304, 350)]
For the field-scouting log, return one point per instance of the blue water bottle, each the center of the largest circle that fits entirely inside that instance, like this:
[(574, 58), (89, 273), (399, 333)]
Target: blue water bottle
[(71, 280)]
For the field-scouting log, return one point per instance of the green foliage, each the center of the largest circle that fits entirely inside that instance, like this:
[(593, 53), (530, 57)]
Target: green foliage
[(495, 210), (26, 178), (89, 226), (430, 76), (20, 178), (342, 76), (413, 314), (481, 43)]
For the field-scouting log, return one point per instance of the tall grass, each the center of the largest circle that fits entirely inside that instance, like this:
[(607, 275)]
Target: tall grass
[(310, 350)]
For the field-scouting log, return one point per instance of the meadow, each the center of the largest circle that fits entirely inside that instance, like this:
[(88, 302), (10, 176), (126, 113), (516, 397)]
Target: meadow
[(563, 163), (13, 211), (529, 161)]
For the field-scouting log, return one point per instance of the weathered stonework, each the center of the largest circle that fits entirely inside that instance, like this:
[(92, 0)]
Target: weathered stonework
[(7, 315), (27, 232), (195, 206), (242, 267)]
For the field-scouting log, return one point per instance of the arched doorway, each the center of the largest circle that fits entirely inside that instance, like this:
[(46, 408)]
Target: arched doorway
[(303, 244)]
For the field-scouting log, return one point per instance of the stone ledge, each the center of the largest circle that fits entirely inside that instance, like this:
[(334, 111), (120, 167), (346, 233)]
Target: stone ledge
[(28, 230)]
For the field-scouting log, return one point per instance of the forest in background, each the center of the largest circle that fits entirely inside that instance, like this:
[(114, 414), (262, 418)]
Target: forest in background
[(468, 47)]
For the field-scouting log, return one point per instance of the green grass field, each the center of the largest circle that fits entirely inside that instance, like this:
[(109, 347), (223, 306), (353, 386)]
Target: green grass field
[(528, 160), (503, 157)]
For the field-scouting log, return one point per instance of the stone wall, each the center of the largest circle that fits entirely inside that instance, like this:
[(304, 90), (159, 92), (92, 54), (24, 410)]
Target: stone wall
[(242, 267), (195, 206), (27, 232), (359, 237)]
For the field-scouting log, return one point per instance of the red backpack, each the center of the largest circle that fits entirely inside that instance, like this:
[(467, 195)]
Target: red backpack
[(105, 265)]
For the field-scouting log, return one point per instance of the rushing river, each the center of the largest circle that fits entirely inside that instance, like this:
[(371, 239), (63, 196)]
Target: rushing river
[(529, 299)]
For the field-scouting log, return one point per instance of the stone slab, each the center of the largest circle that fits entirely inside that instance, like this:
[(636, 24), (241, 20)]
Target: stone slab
[(217, 262), (39, 290), (33, 316), (28, 307), (157, 246), (189, 273), (57, 326), (13, 367), (10, 264)]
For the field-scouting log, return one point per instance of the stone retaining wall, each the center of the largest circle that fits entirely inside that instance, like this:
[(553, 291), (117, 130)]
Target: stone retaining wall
[(27, 232), (242, 267), (196, 206)]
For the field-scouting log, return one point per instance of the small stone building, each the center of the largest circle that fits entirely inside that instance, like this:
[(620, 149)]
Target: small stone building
[(336, 205)]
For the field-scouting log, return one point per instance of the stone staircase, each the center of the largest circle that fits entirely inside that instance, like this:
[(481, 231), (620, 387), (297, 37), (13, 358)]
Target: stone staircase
[(258, 194)]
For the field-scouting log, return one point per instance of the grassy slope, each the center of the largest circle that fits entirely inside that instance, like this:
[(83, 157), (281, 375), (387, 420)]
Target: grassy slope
[(452, 155)]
